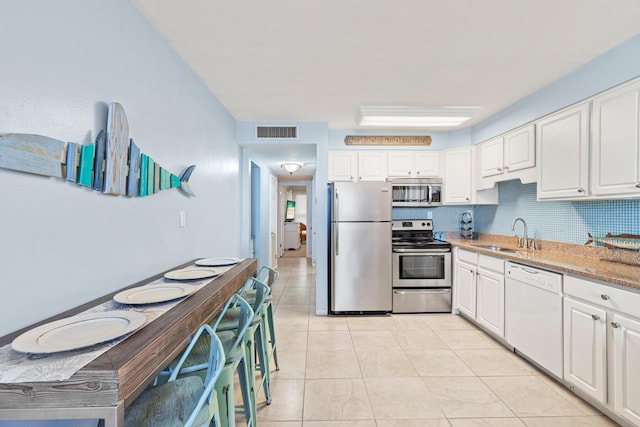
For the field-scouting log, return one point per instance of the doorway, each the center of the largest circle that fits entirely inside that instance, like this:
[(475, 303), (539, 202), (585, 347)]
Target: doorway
[(296, 228)]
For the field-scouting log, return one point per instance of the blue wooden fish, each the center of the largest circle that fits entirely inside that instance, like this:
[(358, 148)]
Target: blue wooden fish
[(113, 165)]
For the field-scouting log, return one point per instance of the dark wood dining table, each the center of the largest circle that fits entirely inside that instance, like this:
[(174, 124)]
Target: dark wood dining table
[(104, 387)]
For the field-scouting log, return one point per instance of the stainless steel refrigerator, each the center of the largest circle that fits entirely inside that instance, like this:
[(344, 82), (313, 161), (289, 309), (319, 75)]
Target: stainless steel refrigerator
[(360, 247)]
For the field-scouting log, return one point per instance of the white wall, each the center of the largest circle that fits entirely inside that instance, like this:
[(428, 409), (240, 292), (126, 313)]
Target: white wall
[(63, 245)]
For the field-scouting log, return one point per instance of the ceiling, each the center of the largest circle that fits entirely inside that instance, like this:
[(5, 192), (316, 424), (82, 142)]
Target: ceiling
[(318, 61)]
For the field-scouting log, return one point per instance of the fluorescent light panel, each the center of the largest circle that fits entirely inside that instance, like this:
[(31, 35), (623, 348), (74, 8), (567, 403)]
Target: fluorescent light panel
[(412, 117)]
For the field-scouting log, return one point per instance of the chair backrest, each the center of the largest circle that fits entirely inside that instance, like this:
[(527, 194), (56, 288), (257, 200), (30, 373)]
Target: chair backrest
[(245, 318), (215, 365), (267, 275), (261, 292)]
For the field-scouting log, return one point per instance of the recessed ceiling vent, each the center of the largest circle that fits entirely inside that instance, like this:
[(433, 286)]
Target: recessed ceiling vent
[(277, 132)]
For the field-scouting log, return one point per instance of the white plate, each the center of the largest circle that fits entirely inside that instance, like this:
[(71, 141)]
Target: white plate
[(191, 274), (217, 262), (150, 294), (78, 331)]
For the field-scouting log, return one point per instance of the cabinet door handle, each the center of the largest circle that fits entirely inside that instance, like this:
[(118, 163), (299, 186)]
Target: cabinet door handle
[(580, 190), (418, 173), (595, 317), (615, 324), (506, 168), (499, 169), (604, 297), (638, 185)]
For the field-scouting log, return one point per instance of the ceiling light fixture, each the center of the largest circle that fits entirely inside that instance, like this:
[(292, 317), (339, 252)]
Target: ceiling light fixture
[(413, 116), (291, 167)]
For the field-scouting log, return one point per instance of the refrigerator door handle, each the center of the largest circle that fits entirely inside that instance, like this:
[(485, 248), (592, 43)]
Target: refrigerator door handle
[(336, 209), (335, 232)]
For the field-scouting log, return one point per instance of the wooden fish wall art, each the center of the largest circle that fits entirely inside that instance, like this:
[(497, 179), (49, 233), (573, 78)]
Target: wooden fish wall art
[(113, 165)]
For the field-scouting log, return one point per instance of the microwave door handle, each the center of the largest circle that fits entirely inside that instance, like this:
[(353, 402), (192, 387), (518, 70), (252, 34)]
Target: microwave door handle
[(429, 195)]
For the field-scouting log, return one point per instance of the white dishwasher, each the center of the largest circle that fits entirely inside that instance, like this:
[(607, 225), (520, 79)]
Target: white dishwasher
[(533, 314)]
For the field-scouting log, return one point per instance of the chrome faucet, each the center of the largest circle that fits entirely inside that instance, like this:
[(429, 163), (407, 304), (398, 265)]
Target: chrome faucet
[(523, 242)]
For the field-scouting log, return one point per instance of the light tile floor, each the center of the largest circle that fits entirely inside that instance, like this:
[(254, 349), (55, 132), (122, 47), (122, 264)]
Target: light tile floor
[(400, 371)]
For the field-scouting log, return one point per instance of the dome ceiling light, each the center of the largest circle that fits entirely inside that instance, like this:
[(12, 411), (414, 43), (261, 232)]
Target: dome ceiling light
[(291, 167)]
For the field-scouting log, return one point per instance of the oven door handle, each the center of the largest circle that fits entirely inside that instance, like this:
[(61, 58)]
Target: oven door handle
[(422, 291), (421, 251)]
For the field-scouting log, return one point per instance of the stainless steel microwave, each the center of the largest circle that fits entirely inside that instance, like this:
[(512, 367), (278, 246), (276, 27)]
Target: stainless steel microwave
[(416, 192)]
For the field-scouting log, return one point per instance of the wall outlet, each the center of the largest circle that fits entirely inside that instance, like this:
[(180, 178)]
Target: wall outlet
[(183, 219)]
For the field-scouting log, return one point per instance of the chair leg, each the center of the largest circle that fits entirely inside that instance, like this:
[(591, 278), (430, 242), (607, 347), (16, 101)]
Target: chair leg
[(248, 402), (272, 335), (263, 365), (225, 391)]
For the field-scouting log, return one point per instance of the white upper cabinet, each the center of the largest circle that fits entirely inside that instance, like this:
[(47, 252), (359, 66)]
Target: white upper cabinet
[(490, 157), (413, 164), (520, 149), (615, 151), (372, 166), (350, 165), (460, 181), (401, 164), (427, 163), (457, 176), (563, 154), (343, 165), (507, 157)]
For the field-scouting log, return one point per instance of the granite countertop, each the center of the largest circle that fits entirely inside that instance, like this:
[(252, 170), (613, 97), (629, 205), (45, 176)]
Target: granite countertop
[(595, 263)]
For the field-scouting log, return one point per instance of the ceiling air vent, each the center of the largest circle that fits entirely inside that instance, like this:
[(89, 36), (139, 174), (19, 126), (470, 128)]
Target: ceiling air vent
[(277, 132)]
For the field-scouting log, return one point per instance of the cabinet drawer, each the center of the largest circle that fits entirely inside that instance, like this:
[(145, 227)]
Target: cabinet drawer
[(491, 263), (467, 256), (620, 300)]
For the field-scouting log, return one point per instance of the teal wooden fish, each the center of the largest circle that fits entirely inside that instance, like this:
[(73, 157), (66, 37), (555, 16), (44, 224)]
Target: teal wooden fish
[(113, 165), (621, 241)]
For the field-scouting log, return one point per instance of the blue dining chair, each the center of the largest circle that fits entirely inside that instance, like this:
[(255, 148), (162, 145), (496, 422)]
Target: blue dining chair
[(269, 275), (233, 342), (255, 338), (185, 401)]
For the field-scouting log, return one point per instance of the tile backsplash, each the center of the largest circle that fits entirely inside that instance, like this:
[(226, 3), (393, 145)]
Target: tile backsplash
[(562, 221)]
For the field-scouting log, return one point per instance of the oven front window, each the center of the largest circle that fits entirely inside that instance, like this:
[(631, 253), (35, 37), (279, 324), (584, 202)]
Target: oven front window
[(421, 267)]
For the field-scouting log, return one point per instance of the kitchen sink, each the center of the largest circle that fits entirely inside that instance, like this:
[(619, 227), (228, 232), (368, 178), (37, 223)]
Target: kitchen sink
[(495, 248)]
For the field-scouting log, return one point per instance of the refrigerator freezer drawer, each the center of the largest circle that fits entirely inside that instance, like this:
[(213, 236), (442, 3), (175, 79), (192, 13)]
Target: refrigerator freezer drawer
[(434, 300), (361, 267)]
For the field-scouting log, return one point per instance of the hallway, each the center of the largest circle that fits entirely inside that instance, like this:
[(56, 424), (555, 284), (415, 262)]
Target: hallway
[(401, 371)]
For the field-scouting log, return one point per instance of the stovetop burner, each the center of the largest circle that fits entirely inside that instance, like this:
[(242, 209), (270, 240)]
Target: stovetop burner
[(415, 234)]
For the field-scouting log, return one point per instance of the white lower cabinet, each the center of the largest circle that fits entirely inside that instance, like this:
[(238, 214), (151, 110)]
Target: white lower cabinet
[(479, 282), (490, 302), (602, 345), (585, 348), (626, 366), (466, 288), (465, 281)]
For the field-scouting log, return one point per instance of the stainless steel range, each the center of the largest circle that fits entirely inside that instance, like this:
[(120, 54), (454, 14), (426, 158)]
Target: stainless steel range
[(421, 268)]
